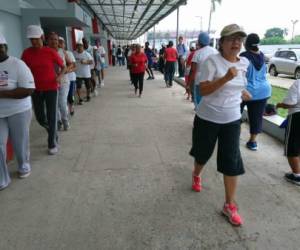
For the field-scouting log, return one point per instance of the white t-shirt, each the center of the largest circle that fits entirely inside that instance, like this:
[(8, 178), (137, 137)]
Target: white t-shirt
[(14, 73), (82, 70), (293, 97), (65, 77), (72, 75), (223, 105), (199, 57)]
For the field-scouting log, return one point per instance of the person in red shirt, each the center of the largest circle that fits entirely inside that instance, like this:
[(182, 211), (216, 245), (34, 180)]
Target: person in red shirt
[(171, 57), (42, 62), (138, 62)]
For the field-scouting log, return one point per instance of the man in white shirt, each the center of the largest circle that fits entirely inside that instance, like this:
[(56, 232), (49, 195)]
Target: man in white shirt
[(83, 72), (199, 57), (16, 86), (292, 134)]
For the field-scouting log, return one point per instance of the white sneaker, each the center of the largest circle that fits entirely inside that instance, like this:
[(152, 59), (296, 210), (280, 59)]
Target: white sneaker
[(102, 84), (95, 92), (24, 175), (53, 151)]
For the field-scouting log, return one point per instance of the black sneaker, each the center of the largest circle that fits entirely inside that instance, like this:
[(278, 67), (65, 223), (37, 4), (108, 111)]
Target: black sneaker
[(290, 177), (149, 78), (88, 98), (80, 102)]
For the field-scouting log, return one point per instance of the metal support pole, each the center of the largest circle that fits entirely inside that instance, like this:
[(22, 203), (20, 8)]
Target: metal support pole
[(177, 28), (154, 37)]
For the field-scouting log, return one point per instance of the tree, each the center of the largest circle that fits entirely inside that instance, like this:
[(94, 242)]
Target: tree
[(273, 40), (212, 9), (275, 32), (296, 40)]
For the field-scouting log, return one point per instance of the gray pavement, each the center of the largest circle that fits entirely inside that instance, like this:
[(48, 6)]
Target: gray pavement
[(282, 81), (122, 181)]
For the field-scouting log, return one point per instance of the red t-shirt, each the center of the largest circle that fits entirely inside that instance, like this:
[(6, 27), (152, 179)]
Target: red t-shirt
[(42, 64), (138, 62), (171, 55)]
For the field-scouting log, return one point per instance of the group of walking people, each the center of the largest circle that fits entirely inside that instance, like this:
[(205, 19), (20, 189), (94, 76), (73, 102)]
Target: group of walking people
[(228, 81), (47, 79)]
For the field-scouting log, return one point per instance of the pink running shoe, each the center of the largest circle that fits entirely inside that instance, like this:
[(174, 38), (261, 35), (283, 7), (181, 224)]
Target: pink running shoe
[(196, 186), (231, 211)]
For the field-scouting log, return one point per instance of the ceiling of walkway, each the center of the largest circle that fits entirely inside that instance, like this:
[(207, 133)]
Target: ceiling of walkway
[(129, 19)]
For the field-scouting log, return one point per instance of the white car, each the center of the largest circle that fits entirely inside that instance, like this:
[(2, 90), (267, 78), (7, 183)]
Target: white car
[(285, 61)]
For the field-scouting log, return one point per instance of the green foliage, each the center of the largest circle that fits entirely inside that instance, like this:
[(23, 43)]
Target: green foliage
[(275, 32), (273, 40), (296, 40), (278, 94)]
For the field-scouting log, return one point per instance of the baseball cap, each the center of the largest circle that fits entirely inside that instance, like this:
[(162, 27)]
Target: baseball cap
[(34, 31), (252, 41), (232, 29), (2, 39), (203, 38), (61, 38)]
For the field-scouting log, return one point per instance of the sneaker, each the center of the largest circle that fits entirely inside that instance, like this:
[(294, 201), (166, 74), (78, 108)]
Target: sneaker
[(231, 212), (3, 187), (196, 186), (152, 78), (102, 84), (95, 92), (88, 98), (53, 151), (149, 78), (252, 145), (23, 175), (290, 177), (80, 102), (66, 125)]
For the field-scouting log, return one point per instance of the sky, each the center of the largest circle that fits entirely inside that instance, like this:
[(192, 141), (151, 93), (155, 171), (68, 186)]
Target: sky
[(253, 15)]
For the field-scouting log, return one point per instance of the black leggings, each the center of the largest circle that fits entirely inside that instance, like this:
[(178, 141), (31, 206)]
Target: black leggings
[(138, 81), (150, 72), (255, 109)]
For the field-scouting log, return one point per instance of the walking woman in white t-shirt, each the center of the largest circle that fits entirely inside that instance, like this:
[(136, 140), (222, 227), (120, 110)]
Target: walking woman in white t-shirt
[(16, 86), (222, 87)]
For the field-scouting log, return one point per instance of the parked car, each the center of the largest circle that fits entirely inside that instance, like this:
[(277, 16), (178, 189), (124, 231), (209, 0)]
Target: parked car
[(285, 61)]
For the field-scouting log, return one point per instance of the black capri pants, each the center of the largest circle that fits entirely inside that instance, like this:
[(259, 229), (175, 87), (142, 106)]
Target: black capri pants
[(138, 81), (87, 82), (256, 110), (292, 136), (205, 136)]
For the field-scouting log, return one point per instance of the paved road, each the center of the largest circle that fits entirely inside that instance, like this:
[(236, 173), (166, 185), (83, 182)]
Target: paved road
[(122, 181)]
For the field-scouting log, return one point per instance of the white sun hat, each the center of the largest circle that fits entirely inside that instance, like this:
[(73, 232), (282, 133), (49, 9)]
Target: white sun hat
[(34, 31), (2, 39)]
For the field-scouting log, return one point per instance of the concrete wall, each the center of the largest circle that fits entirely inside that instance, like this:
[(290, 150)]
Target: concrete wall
[(12, 32)]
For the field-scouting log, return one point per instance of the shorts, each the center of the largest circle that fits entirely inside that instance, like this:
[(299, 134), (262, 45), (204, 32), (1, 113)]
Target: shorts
[(292, 136), (87, 83), (205, 136)]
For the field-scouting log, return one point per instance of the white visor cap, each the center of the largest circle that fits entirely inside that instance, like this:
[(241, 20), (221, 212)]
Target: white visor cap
[(2, 39), (34, 31)]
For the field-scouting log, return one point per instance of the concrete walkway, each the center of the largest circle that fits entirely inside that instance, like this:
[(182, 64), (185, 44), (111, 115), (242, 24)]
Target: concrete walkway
[(122, 181)]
